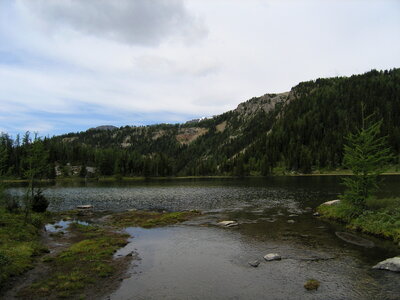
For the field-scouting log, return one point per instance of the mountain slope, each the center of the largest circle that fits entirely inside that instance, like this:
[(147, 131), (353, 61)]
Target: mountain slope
[(300, 130)]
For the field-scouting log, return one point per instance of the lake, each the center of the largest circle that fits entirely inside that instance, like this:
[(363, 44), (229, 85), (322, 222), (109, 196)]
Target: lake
[(198, 260)]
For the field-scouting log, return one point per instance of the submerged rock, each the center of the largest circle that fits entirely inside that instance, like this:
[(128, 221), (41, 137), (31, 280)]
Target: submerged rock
[(272, 256), (228, 223), (354, 239), (332, 202), (311, 284), (390, 264), (254, 263)]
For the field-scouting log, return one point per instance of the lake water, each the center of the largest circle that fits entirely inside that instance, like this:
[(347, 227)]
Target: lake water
[(198, 260)]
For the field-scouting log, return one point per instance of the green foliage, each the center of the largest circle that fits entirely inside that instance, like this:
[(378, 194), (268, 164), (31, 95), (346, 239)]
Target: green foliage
[(39, 202), (366, 155), (19, 243), (384, 222)]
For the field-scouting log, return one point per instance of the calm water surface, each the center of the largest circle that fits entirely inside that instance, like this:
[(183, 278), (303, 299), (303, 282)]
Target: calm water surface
[(198, 260)]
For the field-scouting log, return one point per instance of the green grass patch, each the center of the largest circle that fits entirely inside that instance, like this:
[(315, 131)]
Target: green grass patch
[(82, 264), (19, 243), (149, 219), (381, 219)]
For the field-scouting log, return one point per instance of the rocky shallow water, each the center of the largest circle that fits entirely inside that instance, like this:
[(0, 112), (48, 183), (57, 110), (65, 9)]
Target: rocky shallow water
[(201, 260)]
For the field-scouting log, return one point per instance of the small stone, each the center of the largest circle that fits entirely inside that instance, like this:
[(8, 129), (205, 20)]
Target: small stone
[(390, 264), (291, 221), (254, 263), (316, 214), (228, 223), (293, 215), (272, 256)]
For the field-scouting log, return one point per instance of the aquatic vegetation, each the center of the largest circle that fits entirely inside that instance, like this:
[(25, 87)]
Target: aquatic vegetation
[(149, 219), (311, 284)]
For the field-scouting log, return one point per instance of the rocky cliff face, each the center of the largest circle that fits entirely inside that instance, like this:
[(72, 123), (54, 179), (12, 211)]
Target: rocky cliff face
[(265, 103), (104, 127)]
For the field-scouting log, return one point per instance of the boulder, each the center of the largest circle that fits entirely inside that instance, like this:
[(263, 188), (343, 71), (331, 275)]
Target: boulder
[(272, 256), (254, 263), (332, 202), (228, 223), (84, 206), (390, 264)]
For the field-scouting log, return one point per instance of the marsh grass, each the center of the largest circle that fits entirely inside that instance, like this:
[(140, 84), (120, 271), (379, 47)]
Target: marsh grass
[(381, 219), (81, 265), (19, 243), (149, 219)]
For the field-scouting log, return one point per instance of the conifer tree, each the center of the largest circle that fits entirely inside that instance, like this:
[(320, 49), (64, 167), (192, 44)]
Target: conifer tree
[(366, 154)]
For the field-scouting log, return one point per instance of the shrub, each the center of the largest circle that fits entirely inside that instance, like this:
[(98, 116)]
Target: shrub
[(39, 202)]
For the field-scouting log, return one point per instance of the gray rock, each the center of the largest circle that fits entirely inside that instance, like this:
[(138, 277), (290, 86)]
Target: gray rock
[(390, 264), (84, 206), (291, 221), (254, 263), (316, 214), (272, 256), (332, 202), (228, 223)]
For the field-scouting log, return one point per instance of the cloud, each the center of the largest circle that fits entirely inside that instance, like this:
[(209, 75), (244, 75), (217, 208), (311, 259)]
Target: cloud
[(71, 65), (136, 22)]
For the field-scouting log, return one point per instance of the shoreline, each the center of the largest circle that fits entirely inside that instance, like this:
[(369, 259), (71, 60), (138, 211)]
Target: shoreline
[(127, 179)]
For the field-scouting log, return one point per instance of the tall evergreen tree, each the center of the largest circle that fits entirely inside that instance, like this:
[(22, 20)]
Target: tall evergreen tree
[(366, 154)]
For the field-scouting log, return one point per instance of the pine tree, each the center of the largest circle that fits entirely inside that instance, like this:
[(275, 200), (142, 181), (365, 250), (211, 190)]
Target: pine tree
[(366, 154)]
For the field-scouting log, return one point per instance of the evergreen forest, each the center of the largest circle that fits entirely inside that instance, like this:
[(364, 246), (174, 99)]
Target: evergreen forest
[(301, 131)]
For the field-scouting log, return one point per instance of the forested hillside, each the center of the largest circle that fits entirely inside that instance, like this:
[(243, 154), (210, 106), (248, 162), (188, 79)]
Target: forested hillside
[(298, 131)]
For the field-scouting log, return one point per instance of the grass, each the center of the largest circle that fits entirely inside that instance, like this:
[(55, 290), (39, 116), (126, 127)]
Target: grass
[(83, 264), (19, 243), (149, 219), (382, 218)]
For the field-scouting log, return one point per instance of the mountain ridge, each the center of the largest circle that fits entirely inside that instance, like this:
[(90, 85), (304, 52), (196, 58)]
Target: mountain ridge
[(301, 130)]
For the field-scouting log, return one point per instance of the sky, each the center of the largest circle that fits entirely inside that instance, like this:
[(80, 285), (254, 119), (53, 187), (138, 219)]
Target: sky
[(69, 65)]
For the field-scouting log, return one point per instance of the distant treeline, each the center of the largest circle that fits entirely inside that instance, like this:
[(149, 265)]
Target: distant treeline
[(304, 133)]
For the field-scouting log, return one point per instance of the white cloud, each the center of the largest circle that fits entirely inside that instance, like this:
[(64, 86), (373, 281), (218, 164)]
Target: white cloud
[(139, 22), (69, 58)]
